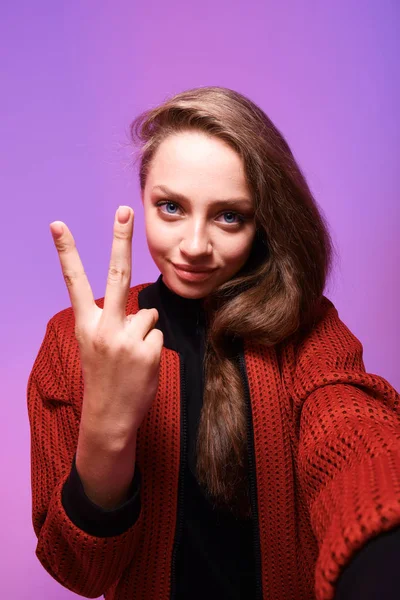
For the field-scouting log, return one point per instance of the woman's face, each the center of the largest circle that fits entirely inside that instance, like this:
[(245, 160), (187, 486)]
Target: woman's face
[(198, 213)]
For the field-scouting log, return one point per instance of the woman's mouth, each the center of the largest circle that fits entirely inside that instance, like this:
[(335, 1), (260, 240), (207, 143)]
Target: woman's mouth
[(186, 275)]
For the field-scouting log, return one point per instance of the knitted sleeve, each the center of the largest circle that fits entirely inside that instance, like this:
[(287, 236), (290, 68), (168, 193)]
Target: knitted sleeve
[(349, 447), (84, 563), (94, 519)]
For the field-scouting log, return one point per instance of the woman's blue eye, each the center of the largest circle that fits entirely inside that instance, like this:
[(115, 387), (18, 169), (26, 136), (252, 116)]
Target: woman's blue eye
[(231, 216), (169, 204)]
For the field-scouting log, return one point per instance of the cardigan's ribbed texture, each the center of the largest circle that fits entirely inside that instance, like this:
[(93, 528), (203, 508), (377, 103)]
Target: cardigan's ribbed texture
[(327, 447)]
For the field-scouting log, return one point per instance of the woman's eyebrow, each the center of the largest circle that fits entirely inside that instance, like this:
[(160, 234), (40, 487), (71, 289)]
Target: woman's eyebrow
[(245, 202)]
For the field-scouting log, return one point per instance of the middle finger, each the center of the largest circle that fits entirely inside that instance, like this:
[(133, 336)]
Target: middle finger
[(119, 272)]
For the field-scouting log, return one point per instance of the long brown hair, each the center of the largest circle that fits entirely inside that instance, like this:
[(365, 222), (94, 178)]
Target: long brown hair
[(274, 295)]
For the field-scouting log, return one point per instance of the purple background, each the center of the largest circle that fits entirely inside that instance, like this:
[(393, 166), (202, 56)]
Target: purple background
[(74, 74)]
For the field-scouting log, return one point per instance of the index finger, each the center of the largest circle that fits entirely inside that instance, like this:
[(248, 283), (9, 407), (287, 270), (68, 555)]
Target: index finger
[(78, 286)]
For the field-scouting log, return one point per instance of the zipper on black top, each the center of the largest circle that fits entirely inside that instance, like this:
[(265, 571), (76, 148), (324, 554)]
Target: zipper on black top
[(179, 517), (252, 478)]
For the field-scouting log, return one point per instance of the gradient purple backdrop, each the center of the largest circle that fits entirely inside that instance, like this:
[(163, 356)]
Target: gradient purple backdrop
[(73, 77)]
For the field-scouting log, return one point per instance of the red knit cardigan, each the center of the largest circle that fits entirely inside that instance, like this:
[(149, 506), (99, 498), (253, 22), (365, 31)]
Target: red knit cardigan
[(327, 454)]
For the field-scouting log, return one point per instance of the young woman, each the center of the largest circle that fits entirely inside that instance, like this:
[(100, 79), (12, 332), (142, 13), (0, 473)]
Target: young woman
[(214, 433)]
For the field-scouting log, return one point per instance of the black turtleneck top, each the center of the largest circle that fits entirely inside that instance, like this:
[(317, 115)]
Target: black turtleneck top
[(215, 558)]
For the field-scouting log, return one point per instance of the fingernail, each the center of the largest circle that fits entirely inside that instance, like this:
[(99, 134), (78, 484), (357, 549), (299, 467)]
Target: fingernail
[(123, 214), (56, 230)]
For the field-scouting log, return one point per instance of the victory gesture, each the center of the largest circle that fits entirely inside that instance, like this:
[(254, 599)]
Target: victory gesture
[(120, 354)]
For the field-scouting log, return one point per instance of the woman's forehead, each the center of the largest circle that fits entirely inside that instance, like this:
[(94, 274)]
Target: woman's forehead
[(191, 160)]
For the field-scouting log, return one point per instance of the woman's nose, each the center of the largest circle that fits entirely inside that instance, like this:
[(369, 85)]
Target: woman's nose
[(196, 242)]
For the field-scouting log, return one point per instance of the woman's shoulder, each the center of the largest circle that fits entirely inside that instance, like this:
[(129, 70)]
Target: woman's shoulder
[(326, 342), (325, 351), (328, 333), (325, 333)]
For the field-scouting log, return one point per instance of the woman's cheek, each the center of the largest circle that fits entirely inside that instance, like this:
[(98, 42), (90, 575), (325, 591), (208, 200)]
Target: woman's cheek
[(157, 232), (236, 250)]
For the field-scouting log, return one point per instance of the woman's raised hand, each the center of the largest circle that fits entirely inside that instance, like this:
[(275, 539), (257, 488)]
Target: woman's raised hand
[(120, 354)]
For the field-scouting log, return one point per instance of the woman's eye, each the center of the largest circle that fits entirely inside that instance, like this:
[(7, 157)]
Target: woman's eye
[(230, 217), (168, 205)]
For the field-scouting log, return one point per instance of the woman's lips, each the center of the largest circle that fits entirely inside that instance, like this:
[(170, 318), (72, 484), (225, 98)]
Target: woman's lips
[(193, 275)]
